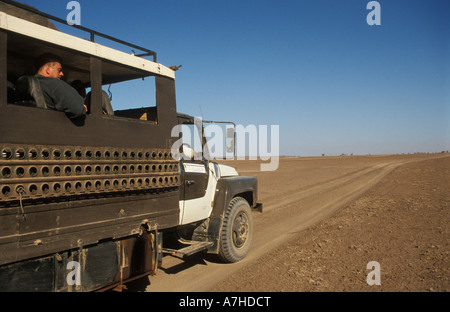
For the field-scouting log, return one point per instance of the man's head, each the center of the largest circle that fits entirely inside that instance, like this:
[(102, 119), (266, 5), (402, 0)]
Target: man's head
[(49, 65)]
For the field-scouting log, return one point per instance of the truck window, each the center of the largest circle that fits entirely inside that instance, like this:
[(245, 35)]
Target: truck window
[(134, 99)]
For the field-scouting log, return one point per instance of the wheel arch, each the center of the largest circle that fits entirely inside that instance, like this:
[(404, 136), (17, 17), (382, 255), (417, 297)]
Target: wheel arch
[(227, 189)]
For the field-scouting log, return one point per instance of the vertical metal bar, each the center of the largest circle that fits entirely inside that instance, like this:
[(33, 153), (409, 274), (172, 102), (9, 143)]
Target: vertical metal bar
[(3, 69), (155, 253), (166, 102), (159, 257), (234, 142), (96, 87), (156, 257)]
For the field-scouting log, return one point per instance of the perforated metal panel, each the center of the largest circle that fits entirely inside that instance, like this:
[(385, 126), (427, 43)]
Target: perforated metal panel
[(34, 171)]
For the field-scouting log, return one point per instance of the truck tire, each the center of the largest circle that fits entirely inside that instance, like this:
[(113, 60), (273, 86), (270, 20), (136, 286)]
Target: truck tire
[(237, 231)]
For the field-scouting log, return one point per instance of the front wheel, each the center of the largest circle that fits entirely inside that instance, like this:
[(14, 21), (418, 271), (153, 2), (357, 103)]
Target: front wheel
[(237, 231)]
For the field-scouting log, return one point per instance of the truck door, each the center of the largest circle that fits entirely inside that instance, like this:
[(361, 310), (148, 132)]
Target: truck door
[(194, 176), (195, 205)]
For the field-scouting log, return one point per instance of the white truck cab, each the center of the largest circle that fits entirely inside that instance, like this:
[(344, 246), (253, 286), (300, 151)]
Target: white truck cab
[(215, 198)]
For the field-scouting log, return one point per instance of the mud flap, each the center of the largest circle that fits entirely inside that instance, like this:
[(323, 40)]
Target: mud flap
[(258, 208)]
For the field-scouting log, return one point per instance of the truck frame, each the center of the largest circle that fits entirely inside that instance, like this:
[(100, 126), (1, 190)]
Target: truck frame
[(85, 203)]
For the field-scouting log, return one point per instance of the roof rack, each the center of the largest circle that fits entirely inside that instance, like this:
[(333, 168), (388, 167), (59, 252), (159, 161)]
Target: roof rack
[(92, 33)]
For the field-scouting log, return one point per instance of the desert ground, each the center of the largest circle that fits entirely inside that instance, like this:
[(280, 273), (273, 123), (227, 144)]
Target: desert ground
[(324, 220)]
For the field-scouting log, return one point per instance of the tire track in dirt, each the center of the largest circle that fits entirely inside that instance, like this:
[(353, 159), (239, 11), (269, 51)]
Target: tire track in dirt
[(283, 218), (293, 195), (315, 204)]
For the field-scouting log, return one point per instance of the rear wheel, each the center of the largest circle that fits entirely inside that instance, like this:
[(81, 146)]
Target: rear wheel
[(237, 231)]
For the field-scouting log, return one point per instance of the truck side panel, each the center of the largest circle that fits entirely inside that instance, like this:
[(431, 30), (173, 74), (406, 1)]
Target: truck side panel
[(51, 227), (108, 263)]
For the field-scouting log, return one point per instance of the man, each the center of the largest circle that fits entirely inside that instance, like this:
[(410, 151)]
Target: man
[(58, 94), (78, 85)]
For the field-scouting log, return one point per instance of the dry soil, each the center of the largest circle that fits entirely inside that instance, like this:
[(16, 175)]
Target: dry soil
[(325, 219), (402, 223)]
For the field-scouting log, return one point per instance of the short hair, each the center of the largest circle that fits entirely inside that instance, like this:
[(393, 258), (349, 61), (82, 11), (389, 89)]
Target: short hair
[(46, 58)]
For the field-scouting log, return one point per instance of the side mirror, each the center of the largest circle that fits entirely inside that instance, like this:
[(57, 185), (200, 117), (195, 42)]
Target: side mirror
[(188, 152)]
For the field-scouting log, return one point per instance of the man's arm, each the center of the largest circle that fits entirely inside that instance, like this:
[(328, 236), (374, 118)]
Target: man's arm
[(68, 100)]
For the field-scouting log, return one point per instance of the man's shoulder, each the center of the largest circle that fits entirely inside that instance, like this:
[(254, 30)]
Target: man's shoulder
[(53, 83), (49, 80)]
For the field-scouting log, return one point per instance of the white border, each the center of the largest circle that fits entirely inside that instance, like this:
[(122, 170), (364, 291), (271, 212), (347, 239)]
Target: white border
[(29, 29)]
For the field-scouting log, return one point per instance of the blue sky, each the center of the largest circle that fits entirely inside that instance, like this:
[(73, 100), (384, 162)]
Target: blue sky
[(330, 81)]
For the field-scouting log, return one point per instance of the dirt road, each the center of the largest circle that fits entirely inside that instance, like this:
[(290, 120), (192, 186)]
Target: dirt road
[(301, 195)]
